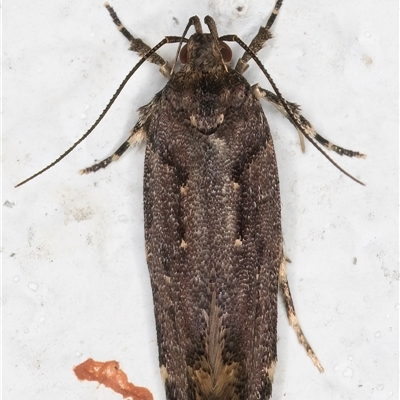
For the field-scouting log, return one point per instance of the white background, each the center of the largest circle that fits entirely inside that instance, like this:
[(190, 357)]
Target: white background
[(75, 281)]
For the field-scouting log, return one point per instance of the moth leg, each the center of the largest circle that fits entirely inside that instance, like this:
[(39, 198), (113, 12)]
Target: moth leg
[(259, 40), (139, 46), (138, 134), (261, 93), (291, 313)]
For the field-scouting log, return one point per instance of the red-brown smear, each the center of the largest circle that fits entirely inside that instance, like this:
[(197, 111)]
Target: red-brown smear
[(109, 374)]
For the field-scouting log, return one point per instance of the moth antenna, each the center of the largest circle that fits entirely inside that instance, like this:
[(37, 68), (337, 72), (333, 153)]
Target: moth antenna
[(197, 26), (168, 39), (234, 38)]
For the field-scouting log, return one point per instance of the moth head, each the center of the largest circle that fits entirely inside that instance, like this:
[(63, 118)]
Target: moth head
[(204, 51)]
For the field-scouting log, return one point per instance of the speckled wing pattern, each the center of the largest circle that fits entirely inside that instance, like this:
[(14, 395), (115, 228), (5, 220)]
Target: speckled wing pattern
[(213, 237)]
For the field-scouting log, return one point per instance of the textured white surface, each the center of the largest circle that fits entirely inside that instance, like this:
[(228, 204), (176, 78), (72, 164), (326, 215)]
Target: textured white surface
[(75, 281)]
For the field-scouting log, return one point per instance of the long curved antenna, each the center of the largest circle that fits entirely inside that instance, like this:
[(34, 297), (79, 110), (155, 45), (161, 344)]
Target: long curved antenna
[(167, 39), (234, 38)]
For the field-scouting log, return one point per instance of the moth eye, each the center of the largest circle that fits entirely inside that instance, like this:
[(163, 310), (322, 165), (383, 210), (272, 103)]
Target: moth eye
[(183, 55), (226, 52)]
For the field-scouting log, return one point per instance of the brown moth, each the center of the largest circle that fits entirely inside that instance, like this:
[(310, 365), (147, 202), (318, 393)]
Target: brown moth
[(212, 212)]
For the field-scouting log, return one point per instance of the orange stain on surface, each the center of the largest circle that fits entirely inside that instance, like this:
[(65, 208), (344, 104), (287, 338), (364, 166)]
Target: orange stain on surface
[(110, 375)]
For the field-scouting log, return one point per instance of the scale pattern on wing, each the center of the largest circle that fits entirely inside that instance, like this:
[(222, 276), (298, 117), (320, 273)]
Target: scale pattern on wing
[(213, 238)]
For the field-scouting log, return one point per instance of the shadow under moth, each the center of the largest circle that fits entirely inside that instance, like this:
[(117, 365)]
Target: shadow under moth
[(212, 212)]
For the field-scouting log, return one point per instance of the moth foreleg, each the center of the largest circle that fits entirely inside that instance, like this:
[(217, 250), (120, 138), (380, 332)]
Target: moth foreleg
[(261, 93), (138, 45), (138, 134), (259, 40), (291, 313)]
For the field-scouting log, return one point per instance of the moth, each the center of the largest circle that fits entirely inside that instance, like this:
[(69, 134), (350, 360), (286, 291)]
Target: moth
[(212, 212)]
